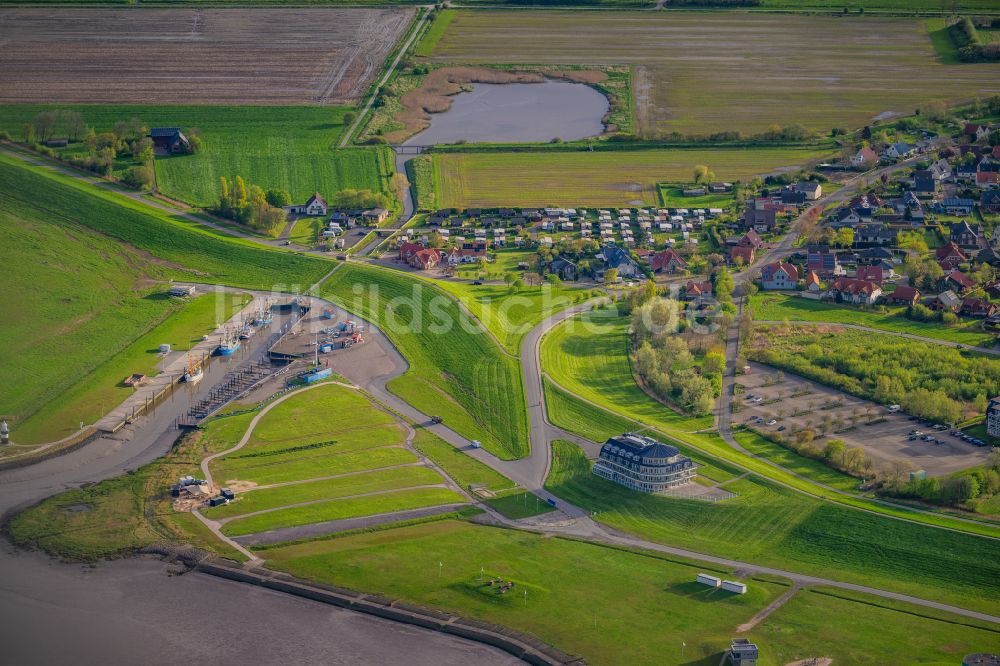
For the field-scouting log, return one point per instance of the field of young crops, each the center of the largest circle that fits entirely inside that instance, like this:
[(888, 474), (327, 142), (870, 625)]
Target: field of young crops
[(181, 248), (704, 72), (456, 370), (612, 178), (768, 524), (288, 148)]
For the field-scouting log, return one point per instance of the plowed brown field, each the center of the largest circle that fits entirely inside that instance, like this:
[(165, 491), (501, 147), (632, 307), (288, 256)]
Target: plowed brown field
[(206, 56)]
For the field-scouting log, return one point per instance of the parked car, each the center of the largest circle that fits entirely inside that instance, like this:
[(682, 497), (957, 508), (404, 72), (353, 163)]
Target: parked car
[(781, 428), (771, 422)]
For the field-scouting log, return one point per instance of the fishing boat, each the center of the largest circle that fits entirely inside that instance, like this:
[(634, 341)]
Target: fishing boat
[(229, 344), (193, 373), (264, 315), (246, 331)]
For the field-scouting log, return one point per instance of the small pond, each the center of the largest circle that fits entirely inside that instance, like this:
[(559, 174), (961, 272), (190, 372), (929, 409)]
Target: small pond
[(518, 113)]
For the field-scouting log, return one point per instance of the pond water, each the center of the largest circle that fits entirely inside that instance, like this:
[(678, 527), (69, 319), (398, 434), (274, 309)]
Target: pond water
[(518, 113)]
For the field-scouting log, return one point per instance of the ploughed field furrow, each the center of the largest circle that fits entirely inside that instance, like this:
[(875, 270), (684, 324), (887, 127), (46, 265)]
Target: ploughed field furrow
[(260, 56)]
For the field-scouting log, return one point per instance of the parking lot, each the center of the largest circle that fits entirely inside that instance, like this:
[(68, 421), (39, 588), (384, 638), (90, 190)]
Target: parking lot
[(795, 403)]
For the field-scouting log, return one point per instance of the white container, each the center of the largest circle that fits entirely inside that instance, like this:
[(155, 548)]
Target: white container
[(733, 586), (705, 579), (165, 348)]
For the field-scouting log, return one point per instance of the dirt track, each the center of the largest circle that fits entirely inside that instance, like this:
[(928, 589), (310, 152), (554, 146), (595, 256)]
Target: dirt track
[(205, 56)]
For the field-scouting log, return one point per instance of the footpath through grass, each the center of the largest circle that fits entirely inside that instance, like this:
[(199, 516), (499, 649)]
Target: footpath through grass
[(770, 525), (456, 370), (779, 307)]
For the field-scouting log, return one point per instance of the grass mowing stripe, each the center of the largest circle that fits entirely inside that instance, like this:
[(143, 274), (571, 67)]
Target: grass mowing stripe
[(296, 465), (339, 509)]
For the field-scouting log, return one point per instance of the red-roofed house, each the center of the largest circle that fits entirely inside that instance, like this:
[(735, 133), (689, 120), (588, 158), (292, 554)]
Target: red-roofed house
[(408, 249), (864, 156), (958, 281), (751, 239), (694, 289), (779, 275), (861, 292), (950, 255), (974, 131), (974, 307), (813, 282), (903, 296), (667, 261), (871, 273), (425, 259), (744, 253)]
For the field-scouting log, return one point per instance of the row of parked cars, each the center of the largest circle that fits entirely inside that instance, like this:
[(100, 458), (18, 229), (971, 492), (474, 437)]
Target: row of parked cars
[(917, 434)]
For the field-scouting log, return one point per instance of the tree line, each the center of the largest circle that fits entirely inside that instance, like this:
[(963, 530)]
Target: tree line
[(252, 206)]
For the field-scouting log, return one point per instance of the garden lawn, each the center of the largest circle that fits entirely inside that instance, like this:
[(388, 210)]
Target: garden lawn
[(449, 564), (340, 509), (673, 196), (602, 178), (366, 482), (288, 148), (770, 525), (181, 248), (779, 307), (456, 370)]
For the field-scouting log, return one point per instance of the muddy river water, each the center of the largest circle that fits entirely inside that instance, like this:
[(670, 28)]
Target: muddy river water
[(518, 113)]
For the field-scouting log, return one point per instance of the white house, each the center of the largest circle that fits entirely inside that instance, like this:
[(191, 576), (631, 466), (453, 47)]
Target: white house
[(315, 207)]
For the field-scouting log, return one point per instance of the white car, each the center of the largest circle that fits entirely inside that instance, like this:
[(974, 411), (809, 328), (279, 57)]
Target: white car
[(771, 422), (476, 444)]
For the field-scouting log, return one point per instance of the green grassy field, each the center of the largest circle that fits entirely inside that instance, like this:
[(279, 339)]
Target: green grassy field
[(663, 605), (289, 148), (313, 491), (779, 307), (767, 524), (509, 317), (578, 417), (772, 67), (446, 565), (813, 469), (588, 356), (181, 248), (339, 509), (673, 197), (590, 361), (612, 178), (453, 373), (465, 470)]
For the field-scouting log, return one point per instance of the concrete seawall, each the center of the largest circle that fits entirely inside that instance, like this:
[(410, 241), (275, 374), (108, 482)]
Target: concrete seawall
[(519, 645)]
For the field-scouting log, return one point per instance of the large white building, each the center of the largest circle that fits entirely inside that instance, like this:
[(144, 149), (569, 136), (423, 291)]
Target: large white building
[(644, 464)]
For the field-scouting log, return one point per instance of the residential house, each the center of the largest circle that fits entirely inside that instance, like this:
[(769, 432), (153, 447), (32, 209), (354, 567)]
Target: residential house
[(871, 273), (863, 157), (993, 418), (751, 239), (988, 255), (912, 207), (779, 275), (667, 261), (563, 267), (987, 175), (315, 207), (945, 301), (792, 197), (903, 295), (958, 281), (924, 183), (956, 206), (869, 235), (761, 220), (720, 188), (813, 282), (617, 258), (950, 255), (990, 202), (813, 191), (977, 308), (874, 255), (964, 235), (845, 217), (940, 170), (859, 292), (824, 261), (694, 290), (170, 139), (742, 254), (418, 256), (974, 131), (899, 150)]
